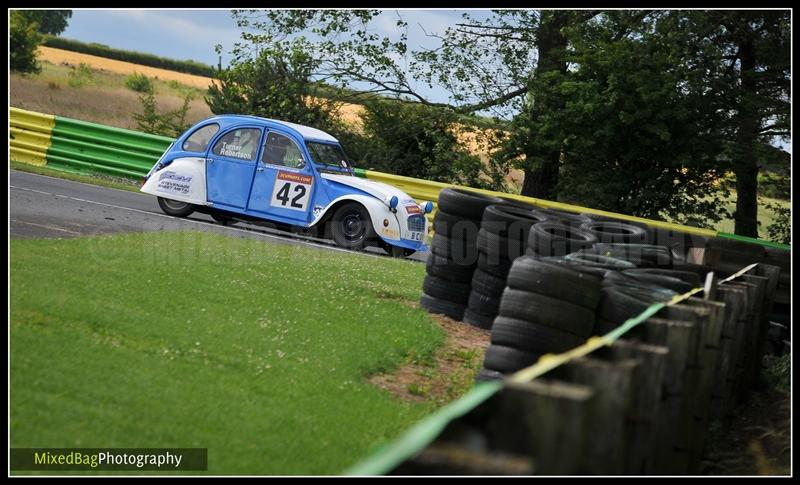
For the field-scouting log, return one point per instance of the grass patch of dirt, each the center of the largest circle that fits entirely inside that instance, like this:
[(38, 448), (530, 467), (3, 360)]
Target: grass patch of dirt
[(447, 374)]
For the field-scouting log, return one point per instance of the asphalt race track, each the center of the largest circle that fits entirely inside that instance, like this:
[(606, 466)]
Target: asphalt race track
[(41, 206)]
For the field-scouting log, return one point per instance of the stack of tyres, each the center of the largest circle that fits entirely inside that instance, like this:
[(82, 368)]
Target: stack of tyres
[(547, 239), (627, 294), (454, 253), (569, 219), (545, 308), (643, 255), (502, 238)]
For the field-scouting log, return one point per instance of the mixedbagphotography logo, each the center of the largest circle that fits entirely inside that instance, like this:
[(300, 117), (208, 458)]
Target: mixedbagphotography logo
[(162, 459)]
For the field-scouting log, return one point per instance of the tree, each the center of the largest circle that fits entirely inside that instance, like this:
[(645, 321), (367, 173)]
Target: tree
[(755, 45), (51, 22), (637, 126), (635, 111), (419, 141), (23, 41), (272, 84)]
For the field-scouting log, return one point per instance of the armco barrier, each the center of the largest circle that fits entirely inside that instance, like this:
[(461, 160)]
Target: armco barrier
[(81, 146)]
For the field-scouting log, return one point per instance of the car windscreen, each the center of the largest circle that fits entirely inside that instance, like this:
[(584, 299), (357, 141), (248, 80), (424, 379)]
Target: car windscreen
[(329, 157)]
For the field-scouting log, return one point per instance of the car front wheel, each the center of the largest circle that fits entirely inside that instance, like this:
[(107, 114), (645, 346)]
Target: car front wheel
[(352, 226), (175, 208)]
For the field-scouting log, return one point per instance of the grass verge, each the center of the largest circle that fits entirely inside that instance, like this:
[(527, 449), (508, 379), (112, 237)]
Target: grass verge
[(88, 178), (257, 352)]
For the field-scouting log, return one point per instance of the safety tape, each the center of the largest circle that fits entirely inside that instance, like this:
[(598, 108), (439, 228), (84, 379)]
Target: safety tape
[(425, 432)]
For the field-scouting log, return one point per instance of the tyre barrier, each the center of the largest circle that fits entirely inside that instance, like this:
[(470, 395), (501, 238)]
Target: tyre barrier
[(503, 237), (454, 255), (641, 405)]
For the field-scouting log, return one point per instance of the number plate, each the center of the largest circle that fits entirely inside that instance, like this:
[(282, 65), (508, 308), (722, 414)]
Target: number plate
[(415, 236), (291, 191)]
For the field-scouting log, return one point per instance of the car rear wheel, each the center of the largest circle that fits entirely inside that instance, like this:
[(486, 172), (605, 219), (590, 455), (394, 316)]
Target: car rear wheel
[(175, 208), (352, 226)]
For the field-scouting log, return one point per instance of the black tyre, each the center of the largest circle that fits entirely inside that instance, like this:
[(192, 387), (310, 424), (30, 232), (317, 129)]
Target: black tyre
[(451, 225), (175, 208), (586, 258), (448, 269), (487, 283), (648, 280), (569, 219), (619, 303), (486, 375), (351, 226), (689, 277), (510, 222), (498, 247), (477, 320), (644, 226), (615, 232), (494, 265), (701, 270), (642, 255), (598, 272), (548, 311), (551, 239), (459, 250), (446, 290), (442, 307), (539, 339), (556, 281), (487, 305), (507, 359), (465, 203)]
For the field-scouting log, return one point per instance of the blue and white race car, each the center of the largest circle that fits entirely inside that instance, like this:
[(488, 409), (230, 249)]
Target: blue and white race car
[(273, 172)]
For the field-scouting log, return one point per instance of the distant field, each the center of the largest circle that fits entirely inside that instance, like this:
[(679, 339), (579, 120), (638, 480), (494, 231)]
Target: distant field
[(58, 56), (103, 98)]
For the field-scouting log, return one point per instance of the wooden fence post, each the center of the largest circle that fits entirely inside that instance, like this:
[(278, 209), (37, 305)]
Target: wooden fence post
[(639, 447), (548, 421)]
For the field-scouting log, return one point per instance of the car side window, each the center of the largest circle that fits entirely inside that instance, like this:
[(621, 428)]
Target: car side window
[(282, 150), (241, 143), (199, 140)]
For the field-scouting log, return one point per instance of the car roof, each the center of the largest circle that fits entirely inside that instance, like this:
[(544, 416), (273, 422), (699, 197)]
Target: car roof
[(301, 131)]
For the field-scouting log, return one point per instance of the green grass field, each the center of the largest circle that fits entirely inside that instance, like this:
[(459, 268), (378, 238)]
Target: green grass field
[(255, 351)]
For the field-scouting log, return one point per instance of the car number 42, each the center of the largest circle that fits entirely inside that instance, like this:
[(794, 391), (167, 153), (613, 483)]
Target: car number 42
[(290, 195)]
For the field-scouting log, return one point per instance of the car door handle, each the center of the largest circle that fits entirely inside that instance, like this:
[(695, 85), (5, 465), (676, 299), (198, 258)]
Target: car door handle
[(260, 169)]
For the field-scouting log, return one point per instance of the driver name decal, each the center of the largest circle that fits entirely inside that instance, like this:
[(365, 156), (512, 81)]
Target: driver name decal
[(174, 183)]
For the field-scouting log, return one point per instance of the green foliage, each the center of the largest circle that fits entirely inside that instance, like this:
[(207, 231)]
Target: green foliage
[(274, 84), (633, 127), (418, 141), (81, 75), (23, 40), (171, 123), (639, 112), (189, 67), (140, 83), (779, 373), (781, 228), (50, 22), (774, 185)]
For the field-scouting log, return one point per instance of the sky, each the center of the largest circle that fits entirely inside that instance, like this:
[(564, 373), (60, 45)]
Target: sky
[(192, 34)]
